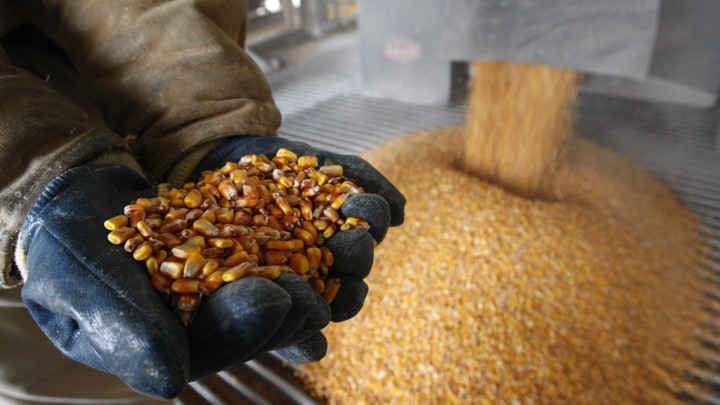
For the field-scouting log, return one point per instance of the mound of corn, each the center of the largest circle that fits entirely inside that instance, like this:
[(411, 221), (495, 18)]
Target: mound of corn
[(486, 297)]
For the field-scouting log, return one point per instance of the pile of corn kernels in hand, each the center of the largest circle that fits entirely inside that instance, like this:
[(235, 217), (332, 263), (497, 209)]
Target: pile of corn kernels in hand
[(255, 217), (483, 297)]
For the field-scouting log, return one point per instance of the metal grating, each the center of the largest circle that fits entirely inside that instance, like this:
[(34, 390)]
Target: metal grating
[(323, 105)]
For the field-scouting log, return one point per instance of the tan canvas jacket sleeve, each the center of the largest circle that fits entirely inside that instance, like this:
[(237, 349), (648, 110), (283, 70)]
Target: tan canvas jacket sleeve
[(171, 73)]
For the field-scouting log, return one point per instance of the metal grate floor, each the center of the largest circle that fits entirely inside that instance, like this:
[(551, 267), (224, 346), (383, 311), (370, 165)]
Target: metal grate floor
[(323, 105)]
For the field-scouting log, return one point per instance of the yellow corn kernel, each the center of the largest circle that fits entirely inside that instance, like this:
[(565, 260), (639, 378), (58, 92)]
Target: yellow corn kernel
[(308, 161), (339, 201), (287, 154), (249, 202), (145, 202), (351, 188), (275, 257), (327, 256), (209, 216), (116, 222), (271, 272), (331, 170), (208, 269), (314, 256), (305, 236), (323, 271), (193, 265), (152, 266), (212, 283), (331, 288), (237, 176), (161, 255), (283, 204), (179, 213), (120, 235), (237, 258), (174, 270), (227, 189), (142, 252), (355, 221), (209, 192), (188, 302), (133, 208), (133, 243), (293, 244), (184, 251), (185, 286), (161, 283), (299, 263), (177, 203), (308, 226), (154, 222), (321, 178), (169, 240), (228, 168), (221, 243), (193, 214), (145, 229), (177, 193), (331, 214), (163, 189), (286, 182), (316, 284), (205, 227), (321, 224), (193, 199), (197, 241), (237, 272), (213, 178), (173, 226), (225, 215), (330, 231), (306, 210)]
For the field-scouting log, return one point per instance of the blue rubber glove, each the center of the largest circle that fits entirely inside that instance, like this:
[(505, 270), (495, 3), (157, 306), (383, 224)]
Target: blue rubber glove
[(97, 305), (382, 206)]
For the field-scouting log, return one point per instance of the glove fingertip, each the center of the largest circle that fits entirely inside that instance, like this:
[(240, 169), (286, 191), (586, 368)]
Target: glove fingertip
[(372, 208), (353, 251), (397, 211), (309, 350), (349, 299)]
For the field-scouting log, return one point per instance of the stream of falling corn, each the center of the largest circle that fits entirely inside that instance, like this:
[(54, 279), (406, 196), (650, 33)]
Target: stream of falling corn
[(518, 119), (486, 297)]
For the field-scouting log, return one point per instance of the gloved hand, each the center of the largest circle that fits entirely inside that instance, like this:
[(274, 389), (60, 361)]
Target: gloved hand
[(382, 206), (97, 305)]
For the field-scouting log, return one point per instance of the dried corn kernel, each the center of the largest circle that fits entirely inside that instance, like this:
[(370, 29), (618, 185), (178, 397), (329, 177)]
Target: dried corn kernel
[(120, 235), (193, 199), (237, 272), (331, 288), (185, 286), (142, 252), (116, 222)]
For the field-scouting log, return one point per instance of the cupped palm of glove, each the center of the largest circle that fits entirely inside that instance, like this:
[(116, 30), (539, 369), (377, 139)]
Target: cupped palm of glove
[(97, 306)]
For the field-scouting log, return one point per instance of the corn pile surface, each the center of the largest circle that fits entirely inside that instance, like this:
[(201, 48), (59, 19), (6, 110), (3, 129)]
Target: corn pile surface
[(484, 297)]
